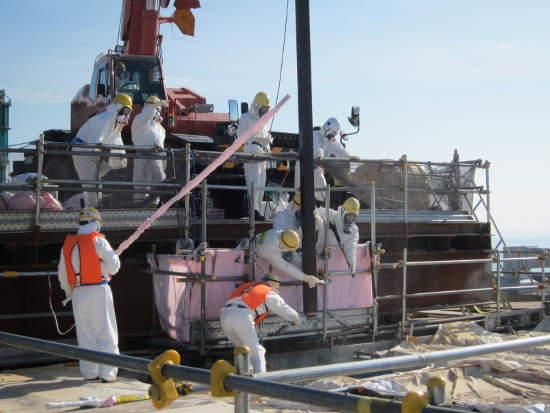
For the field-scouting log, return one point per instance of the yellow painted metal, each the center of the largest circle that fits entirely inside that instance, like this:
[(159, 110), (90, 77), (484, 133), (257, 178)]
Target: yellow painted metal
[(414, 402), (241, 350), (220, 370), (163, 392), (436, 381)]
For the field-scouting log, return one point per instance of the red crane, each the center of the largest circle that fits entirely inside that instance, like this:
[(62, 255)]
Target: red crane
[(135, 68)]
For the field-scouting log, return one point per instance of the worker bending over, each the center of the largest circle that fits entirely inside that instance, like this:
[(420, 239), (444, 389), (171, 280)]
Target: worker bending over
[(247, 306), (259, 143), (343, 232), (277, 248), (148, 132), (86, 265), (105, 128)]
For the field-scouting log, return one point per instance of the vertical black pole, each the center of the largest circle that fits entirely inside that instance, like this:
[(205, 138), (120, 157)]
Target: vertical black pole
[(303, 58)]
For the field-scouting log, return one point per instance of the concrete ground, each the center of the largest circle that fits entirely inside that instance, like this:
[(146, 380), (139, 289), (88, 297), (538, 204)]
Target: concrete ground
[(31, 389)]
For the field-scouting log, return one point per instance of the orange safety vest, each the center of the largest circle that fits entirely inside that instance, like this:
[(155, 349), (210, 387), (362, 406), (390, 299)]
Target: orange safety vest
[(253, 294), (90, 268)]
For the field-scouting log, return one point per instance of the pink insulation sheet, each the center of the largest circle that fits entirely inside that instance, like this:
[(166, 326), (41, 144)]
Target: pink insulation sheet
[(179, 303)]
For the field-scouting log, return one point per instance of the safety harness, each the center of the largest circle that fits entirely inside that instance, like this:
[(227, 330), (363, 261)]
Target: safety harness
[(332, 227), (254, 294)]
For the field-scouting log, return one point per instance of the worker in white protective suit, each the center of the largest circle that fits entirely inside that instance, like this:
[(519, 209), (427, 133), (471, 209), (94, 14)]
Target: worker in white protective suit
[(259, 143), (247, 306), (325, 145), (104, 128), (291, 216), (343, 232), (148, 132), (278, 249), (86, 265)]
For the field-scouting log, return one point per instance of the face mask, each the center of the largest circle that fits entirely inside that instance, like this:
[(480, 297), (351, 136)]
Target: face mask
[(157, 117), (348, 222), (298, 217), (263, 110), (287, 256), (331, 136)]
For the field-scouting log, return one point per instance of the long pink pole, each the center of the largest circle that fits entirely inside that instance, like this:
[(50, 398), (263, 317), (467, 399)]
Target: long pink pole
[(200, 177)]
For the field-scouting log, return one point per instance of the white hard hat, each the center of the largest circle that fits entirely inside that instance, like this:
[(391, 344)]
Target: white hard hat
[(331, 126)]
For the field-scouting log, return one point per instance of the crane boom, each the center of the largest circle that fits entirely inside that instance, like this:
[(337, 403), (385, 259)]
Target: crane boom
[(139, 28)]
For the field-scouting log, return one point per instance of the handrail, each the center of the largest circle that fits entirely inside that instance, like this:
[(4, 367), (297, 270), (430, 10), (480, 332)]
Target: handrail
[(399, 362), (230, 382)]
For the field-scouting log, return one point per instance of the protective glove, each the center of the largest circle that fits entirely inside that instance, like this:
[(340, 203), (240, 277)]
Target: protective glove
[(354, 158), (297, 323), (68, 294), (318, 154), (312, 281)]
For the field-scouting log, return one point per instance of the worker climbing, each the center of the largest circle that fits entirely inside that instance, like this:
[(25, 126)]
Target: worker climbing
[(258, 143), (147, 131), (103, 128), (248, 306), (86, 264)]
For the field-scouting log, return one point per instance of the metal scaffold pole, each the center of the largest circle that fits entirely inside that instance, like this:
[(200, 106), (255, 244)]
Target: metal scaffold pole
[(202, 258), (326, 254), (303, 57), (5, 104), (219, 378), (400, 362), (374, 262)]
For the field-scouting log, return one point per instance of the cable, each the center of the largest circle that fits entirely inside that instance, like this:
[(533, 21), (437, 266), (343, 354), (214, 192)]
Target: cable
[(281, 66), (22, 143), (61, 333)]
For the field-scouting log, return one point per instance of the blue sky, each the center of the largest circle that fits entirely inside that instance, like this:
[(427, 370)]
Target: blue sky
[(430, 76)]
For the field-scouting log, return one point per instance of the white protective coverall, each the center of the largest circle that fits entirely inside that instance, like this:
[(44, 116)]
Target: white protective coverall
[(257, 144), (322, 148), (146, 131), (348, 241), (101, 128), (268, 246), (94, 312), (286, 219), (238, 324)]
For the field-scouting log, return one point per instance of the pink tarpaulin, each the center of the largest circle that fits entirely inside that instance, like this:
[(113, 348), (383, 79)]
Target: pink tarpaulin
[(179, 303)]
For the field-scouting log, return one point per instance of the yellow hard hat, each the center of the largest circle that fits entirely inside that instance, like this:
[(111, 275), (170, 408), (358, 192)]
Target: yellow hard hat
[(262, 99), (297, 200), (351, 205), (125, 100), (90, 213), (290, 239), (155, 101)]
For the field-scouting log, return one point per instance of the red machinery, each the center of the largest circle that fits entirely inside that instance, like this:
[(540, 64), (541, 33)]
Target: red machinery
[(135, 68)]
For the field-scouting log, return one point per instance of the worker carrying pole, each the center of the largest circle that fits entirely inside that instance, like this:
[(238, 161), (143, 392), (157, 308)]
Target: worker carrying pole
[(86, 265)]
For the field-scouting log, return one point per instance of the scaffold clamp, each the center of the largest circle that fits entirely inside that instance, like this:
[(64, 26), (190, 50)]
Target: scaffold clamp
[(220, 370), (163, 391), (414, 402)]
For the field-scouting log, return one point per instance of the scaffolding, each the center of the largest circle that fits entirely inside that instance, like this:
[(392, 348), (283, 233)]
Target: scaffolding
[(411, 191)]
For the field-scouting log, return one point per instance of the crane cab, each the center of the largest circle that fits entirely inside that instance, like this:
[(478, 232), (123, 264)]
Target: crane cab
[(137, 76)]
